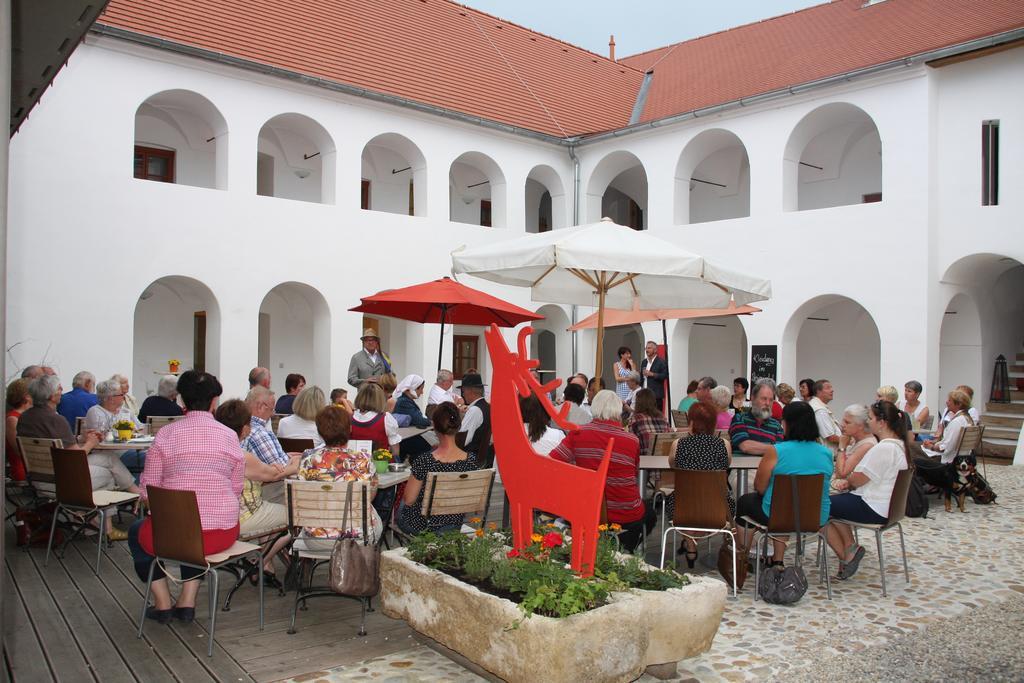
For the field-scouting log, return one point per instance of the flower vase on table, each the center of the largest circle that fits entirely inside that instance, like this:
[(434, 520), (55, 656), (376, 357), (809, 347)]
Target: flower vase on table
[(173, 365), (381, 459), (124, 430)]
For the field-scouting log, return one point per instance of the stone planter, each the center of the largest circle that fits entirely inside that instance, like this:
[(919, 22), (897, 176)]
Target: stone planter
[(615, 642)]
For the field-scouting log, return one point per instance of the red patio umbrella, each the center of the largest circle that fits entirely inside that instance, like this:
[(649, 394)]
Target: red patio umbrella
[(445, 301)]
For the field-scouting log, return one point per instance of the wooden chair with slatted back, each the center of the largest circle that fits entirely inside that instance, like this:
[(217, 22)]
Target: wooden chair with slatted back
[(324, 505), (969, 439), (702, 509), (79, 421), (458, 493), (178, 539), (158, 422), (897, 511), (665, 447), (782, 519), (679, 419), (295, 445), (74, 492), (39, 464)]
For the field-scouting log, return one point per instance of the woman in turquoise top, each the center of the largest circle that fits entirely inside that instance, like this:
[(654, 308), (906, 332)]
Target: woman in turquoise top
[(799, 453)]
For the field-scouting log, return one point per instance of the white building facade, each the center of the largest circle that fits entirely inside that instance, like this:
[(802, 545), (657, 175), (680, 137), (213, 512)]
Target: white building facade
[(860, 199)]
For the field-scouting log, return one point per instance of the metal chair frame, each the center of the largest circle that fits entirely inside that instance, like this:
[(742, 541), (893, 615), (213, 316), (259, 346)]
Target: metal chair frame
[(76, 497), (211, 563)]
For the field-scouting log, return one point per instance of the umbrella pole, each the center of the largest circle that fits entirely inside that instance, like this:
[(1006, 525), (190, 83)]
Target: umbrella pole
[(440, 344), (668, 384), (601, 290)]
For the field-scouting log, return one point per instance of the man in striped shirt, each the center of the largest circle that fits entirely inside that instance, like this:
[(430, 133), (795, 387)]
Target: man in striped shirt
[(585, 448), (754, 431)]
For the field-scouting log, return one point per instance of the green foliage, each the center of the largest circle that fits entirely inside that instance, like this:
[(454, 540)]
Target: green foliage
[(539, 578)]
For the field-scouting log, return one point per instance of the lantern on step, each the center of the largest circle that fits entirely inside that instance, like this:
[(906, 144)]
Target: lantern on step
[(1000, 382)]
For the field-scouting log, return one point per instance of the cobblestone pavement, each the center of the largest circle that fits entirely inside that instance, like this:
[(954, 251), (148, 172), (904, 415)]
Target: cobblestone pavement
[(964, 597)]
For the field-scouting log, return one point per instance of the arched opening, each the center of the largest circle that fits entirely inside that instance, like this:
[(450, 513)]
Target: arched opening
[(833, 158), (175, 317), (983, 320), (835, 338), (618, 190), (476, 191), (712, 181), (394, 176), (631, 336), (717, 347), (545, 200), (295, 160), (182, 138), (295, 333), (551, 343)]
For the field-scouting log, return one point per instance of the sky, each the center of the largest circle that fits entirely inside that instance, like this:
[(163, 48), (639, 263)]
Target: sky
[(638, 25)]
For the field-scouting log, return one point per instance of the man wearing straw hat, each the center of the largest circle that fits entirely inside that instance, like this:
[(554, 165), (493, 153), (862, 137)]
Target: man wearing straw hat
[(369, 362)]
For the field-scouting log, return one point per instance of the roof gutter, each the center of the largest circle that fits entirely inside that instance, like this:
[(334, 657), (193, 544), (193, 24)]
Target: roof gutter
[(305, 79), (979, 44)]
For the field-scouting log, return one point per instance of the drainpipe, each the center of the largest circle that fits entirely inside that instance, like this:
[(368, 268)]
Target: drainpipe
[(575, 221)]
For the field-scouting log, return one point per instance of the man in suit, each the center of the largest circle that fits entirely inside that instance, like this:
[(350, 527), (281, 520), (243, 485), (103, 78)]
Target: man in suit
[(654, 372), (368, 362), (475, 433)]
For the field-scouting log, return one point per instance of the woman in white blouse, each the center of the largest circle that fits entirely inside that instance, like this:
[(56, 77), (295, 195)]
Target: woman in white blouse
[(856, 440), (867, 490), (536, 421), (958, 405), (301, 424)]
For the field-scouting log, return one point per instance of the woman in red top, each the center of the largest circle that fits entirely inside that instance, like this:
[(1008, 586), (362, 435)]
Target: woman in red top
[(195, 453), (18, 401), (585, 448)]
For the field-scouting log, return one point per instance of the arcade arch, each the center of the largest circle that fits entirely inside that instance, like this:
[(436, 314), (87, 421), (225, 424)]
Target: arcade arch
[(712, 180), (182, 138), (295, 159)]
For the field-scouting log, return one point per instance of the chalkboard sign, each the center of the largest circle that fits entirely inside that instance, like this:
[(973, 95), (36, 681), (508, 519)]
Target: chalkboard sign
[(764, 361)]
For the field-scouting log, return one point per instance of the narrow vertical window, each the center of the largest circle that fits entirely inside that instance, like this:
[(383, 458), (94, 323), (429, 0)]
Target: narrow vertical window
[(364, 195), (990, 163), (485, 213)]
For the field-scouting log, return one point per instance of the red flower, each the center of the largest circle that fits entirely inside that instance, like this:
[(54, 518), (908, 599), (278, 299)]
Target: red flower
[(552, 540), (512, 554)]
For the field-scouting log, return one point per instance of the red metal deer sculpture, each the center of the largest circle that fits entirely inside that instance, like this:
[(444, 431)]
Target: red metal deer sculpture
[(533, 481)]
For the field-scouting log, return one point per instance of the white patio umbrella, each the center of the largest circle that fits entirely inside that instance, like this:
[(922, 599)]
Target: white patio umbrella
[(606, 264)]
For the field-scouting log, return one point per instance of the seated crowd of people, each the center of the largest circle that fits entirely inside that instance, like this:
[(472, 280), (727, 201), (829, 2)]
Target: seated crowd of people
[(231, 455)]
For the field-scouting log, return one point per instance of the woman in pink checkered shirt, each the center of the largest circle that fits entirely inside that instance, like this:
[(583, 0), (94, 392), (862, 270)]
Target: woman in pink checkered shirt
[(195, 453)]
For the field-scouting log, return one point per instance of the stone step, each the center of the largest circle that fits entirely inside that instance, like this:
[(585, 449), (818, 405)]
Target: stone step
[(1003, 449), (1016, 372), (1016, 395), (1020, 357), (1012, 407), (1001, 432), (1005, 419)]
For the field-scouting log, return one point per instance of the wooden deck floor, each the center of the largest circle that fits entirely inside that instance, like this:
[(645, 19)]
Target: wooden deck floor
[(65, 623)]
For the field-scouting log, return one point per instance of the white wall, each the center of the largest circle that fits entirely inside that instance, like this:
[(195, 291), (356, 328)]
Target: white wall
[(717, 348), (727, 167), (960, 348)]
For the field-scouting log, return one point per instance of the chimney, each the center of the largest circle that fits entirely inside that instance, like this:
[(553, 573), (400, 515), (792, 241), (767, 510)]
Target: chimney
[(611, 47)]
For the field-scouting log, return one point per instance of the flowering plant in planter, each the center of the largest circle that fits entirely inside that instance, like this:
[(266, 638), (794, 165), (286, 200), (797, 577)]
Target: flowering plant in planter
[(381, 458), (538, 578)]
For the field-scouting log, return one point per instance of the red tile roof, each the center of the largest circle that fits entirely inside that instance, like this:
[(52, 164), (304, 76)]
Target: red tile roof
[(443, 54), (813, 43), (432, 51)]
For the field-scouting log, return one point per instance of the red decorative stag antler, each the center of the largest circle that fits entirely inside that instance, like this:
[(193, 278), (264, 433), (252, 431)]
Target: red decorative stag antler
[(533, 481)]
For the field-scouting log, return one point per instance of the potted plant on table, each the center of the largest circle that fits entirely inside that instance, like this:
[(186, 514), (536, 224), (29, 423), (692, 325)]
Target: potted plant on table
[(173, 365), (124, 429), (381, 459)]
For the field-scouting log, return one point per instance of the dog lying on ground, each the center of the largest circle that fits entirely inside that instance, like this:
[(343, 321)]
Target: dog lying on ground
[(953, 479)]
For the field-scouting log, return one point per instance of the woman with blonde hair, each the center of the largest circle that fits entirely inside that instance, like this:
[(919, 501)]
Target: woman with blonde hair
[(856, 440), (721, 398), (301, 424), (372, 422), (389, 382), (958, 404)]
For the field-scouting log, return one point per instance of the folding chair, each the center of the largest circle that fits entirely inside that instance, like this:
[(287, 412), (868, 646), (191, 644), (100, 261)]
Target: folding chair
[(275, 420), (75, 495), (79, 421), (897, 511), (178, 539), (158, 422), (319, 504), (296, 445), (969, 440), (806, 490), (679, 419), (666, 479), (243, 569), (702, 506), (454, 493), (39, 465)]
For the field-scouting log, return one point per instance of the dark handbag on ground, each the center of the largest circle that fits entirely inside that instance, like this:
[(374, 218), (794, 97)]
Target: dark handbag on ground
[(787, 585), (917, 500), (32, 526), (355, 565), (725, 563)]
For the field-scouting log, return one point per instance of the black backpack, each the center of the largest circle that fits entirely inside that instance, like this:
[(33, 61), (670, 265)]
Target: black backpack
[(917, 501)]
